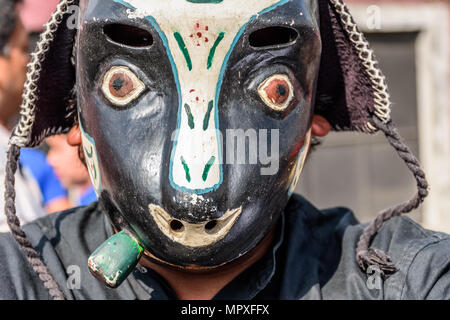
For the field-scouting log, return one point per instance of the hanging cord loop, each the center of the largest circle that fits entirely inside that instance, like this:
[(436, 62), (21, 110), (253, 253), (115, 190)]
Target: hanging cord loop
[(373, 257), (17, 232)]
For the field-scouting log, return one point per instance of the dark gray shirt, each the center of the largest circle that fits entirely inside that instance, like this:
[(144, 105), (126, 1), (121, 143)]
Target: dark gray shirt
[(312, 257)]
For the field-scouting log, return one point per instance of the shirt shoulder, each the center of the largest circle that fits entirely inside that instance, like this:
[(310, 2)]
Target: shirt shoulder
[(18, 279), (47, 238), (64, 240), (421, 256)]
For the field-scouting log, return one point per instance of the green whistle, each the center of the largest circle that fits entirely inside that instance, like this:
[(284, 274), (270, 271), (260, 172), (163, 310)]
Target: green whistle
[(115, 259)]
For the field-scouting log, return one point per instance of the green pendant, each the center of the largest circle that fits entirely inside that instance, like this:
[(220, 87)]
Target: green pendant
[(114, 260)]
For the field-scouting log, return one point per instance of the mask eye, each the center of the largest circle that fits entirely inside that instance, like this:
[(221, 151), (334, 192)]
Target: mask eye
[(277, 92), (121, 86)]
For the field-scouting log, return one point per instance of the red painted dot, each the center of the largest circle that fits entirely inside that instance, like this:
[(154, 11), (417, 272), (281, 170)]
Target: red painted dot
[(206, 28), (199, 34), (197, 98), (206, 39), (193, 90), (198, 25)]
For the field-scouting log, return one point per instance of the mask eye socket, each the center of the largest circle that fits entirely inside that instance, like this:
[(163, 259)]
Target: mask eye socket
[(121, 86), (277, 92)]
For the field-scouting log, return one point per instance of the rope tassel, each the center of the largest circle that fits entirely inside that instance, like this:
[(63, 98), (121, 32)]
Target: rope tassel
[(17, 232), (381, 121), (366, 256)]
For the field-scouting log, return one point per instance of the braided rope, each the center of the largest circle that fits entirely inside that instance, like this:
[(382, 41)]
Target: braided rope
[(366, 256), (370, 256), (23, 129), (367, 57), (17, 232)]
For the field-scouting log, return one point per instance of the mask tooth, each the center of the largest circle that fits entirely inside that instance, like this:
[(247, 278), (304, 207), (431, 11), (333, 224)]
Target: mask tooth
[(114, 260)]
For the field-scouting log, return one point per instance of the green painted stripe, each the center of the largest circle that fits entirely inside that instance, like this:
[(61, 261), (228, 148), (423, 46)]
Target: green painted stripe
[(207, 168), (208, 115), (212, 52), (186, 169), (95, 172), (89, 154), (183, 49), (191, 122)]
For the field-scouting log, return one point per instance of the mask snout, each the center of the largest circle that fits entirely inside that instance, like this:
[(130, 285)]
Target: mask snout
[(194, 235)]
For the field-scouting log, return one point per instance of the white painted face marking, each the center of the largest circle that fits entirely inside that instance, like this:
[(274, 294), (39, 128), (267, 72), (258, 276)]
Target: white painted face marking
[(199, 38), (300, 162), (194, 235)]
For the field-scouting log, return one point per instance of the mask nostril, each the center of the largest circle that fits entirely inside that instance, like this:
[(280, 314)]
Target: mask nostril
[(176, 226), (210, 225)]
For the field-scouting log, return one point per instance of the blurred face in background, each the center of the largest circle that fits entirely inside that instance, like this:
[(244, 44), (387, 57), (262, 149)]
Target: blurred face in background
[(66, 163), (13, 68)]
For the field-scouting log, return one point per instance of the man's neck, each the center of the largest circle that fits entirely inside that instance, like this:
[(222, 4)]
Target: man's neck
[(191, 285)]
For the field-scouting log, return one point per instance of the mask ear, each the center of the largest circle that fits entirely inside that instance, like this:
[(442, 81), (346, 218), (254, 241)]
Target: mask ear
[(351, 87), (352, 95), (48, 94)]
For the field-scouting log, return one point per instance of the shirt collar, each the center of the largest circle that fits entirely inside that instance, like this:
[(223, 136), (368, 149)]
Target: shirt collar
[(253, 280)]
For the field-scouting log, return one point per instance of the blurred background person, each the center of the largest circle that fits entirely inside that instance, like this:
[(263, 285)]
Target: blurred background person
[(34, 14), (54, 196), (39, 192), (70, 170)]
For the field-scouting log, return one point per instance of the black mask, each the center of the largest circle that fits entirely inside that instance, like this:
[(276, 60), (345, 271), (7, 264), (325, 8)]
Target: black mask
[(195, 126), (196, 115)]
